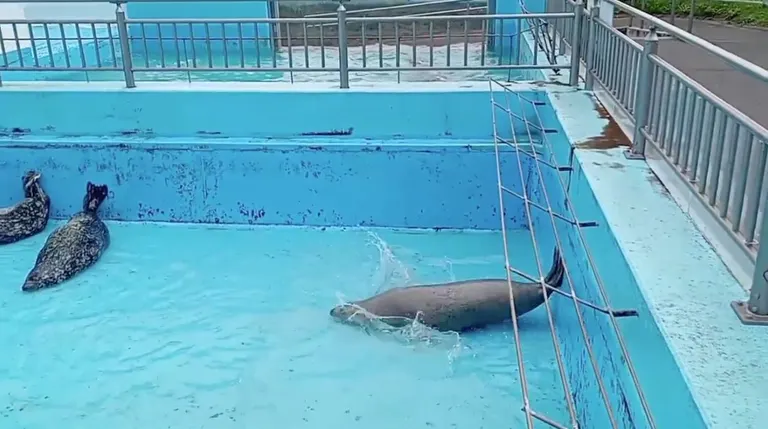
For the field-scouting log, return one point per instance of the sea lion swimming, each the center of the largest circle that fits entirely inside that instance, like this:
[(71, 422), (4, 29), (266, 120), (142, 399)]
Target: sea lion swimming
[(72, 247), (456, 306), (29, 216)]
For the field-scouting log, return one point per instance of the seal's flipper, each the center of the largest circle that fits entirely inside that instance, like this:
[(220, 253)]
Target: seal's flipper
[(395, 321), (28, 181), (555, 276), (94, 196)]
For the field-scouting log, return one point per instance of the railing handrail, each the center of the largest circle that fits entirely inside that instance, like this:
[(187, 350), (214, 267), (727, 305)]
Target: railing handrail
[(164, 1), (515, 16), (732, 59), (394, 7)]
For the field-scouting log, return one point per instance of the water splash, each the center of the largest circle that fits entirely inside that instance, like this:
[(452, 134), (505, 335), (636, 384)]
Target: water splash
[(391, 272), (410, 332)]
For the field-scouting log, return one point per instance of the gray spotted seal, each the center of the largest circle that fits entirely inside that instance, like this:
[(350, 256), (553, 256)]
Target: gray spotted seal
[(29, 216), (72, 247), (456, 306)]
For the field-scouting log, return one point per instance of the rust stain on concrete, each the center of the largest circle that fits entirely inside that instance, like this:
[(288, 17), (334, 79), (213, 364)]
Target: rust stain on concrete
[(611, 137)]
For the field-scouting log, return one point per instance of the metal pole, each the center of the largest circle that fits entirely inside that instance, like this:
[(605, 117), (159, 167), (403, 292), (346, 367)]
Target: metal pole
[(594, 12), (125, 46), (672, 11), (578, 16), (341, 13), (755, 311), (689, 28), (643, 94), (491, 30)]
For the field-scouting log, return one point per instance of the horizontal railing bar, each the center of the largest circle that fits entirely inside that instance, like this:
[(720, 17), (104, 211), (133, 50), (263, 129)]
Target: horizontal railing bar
[(219, 21), (56, 21), (466, 68), (732, 59), (619, 34), (146, 1), (293, 69), (60, 69), (396, 7), (744, 120), (511, 16), (440, 12)]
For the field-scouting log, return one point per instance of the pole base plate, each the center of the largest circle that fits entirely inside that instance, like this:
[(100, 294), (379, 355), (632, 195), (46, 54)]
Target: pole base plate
[(747, 317), (631, 155)]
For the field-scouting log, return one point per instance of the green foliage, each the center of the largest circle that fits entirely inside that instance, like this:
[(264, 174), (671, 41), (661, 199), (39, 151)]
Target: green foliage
[(735, 13)]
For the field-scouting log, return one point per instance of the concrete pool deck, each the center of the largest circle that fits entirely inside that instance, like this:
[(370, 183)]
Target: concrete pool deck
[(685, 284)]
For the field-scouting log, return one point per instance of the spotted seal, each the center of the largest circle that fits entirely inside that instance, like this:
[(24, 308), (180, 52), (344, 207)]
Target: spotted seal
[(456, 306), (72, 247), (29, 216)]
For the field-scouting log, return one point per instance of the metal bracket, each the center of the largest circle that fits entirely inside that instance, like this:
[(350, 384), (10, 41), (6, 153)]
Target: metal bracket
[(747, 317), (634, 156)]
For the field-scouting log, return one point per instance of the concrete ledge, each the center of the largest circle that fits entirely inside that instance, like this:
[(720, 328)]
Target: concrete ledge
[(685, 284)]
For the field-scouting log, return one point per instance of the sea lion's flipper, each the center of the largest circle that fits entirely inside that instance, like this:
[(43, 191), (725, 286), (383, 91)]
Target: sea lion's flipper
[(396, 321), (555, 276), (94, 196), (28, 182)]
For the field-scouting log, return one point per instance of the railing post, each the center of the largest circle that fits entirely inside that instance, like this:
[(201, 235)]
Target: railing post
[(755, 311), (594, 12), (341, 12), (578, 16), (125, 46), (643, 94)]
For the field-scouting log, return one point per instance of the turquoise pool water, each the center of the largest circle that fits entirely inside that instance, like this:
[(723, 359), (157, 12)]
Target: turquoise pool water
[(182, 326)]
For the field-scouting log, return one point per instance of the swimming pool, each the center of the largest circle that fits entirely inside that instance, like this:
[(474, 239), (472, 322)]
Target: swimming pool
[(254, 298)]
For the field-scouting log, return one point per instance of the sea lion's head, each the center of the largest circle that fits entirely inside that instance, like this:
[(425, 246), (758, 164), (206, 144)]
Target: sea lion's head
[(353, 314), (350, 313)]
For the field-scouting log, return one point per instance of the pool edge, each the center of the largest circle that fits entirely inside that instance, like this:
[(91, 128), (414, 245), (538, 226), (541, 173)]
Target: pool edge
[(711, 347)]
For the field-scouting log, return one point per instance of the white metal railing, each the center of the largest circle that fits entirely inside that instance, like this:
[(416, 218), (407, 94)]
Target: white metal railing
[(388, 43), (719, 151)]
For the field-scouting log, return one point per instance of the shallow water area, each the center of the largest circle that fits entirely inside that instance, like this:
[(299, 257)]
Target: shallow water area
[(187, 326)]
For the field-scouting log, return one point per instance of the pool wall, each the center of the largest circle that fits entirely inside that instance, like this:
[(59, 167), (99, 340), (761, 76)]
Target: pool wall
[(164, 162), (663, 384)]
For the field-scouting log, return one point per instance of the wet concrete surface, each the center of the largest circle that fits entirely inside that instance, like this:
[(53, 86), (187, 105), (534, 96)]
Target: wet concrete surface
[(740, 90), (611, 137)]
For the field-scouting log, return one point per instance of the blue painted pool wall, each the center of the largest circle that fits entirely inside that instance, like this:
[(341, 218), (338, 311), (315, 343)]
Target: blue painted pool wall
[(384, 174), (164, 36), (663, 385), (299, 184), (142, 112)]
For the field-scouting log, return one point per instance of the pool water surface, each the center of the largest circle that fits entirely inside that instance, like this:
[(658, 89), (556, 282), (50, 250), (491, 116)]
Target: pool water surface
[(187, 326)]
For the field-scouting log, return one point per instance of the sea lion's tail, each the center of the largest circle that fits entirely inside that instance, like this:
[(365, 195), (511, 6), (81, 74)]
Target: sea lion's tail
[(94, 196), (555, 276)]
